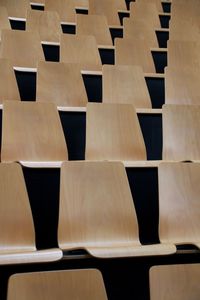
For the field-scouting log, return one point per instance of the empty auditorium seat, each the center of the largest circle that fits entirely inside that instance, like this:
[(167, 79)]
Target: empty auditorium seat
[(65, 9), (16, 8), (17, 239)]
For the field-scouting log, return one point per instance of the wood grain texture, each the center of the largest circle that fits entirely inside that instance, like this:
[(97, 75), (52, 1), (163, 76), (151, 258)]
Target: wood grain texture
[(181, 132), (184, 10), (113, 133), (156, 2), (147, 11), (125, 84), (175, 282), (22, 48), (184, 30), (60, 83), (82, 50), (16, 8), (97, 211), (8, 84), (182, 85), (82, 3), (95, 25), (46, 23), (32, 132), (179, 207), (64, 285), (65, 9), (4, 21), (107, 8)]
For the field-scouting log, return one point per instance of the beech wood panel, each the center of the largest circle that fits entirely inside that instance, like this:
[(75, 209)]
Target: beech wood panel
[(182, 85), (32, 132), (179, 206), (60, 83), (97, 212), (134, 52), (65, 9), (147, 11), (16, 8), (46, 23), (113, 133), (184, 30), (64, 285), (95, 25), (125, 84), (8, 84), (4, 21), (175, 282), (184, 10), (157, 3), (82, 50), (181, 132), (82, 3), (22, 48)]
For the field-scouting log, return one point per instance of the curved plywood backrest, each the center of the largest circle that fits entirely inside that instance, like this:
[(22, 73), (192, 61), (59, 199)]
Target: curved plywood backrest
[(175, 282), (113, 133), (82, 50), (181, 132), (60, 83), (179, 205), (184, 10), (183, 30), (16, 8), (32, 132), (8, 84), (95, 25), (182, 85), (46, 23), (71, 284), (4, 21), (156, 2), (65, 9), (148, 11), (82, 3), (125, 84), (22, 48)]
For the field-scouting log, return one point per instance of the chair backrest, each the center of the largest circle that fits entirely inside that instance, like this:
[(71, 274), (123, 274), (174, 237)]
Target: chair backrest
[(46, 23), (16, 8), (65, 9), (181, 132), (32, 132), (147, 11), (95, 25), (184, 10), (182, 85), (97, 194), (134, 52), (113, 133), (60, 83), (179, 206), (82, 50), (8, 84), (175, 282), (82, 3), (156, 2), (125, 84), (4, 21), (69, 284), (22, 48), (183, 30)]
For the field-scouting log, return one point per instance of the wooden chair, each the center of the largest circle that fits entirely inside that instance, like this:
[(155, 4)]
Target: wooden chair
[(60, 83), (181, 132), (175, 282), (22, 48), (17, 238), (146, 11), (16, 8), (32, 134), (69, 285), (125, 84), (108, 8), (134, 52), (8, 84), (182, 85), (95, 25), (82, 50), (47, 23), (97, 212), (4, 21), (113, 133), (65, 9)]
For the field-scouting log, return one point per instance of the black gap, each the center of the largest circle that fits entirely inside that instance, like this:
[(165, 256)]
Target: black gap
[(74, 127), (187, 247), (0, 127), (123, 15), (107, 56), (71, 29), (166, 7), (75, 252), (151, 126), (160, 60), (128, 3), (37, 7), (27, 85), (82, 11), (93, 86), (18, 25), (144, 188), (43, 190), (162, 37), (116, 33), (164, 21), (51, 52), (156, 88)]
